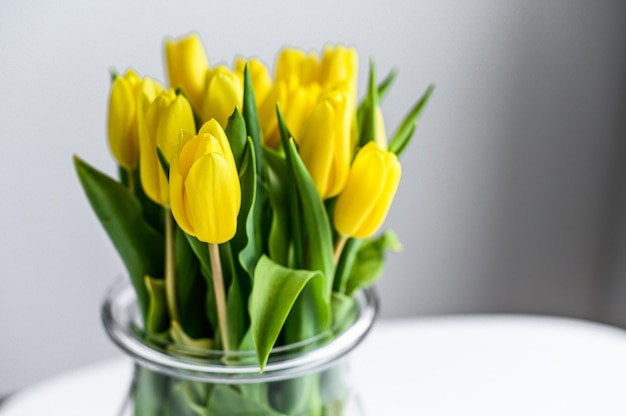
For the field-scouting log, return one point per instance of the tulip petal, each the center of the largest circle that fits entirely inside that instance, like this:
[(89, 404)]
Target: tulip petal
[(213, 198), (363, 204), (121, 127), (215, 130), (187, 64), (379, 211), (149, 168), (177, 195), (224, 92), (160, 124), (176, 116), (316, 145)]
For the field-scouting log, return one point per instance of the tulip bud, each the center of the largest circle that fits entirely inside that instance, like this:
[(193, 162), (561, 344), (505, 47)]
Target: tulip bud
[(205, 193), (296, 102), (224, 92), (372, 182), (187, 64), (122, 128), (295, 66), (299, 81), (339, 65), (160, 123), (325, 143)]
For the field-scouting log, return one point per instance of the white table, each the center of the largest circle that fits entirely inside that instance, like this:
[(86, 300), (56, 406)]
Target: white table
[(472, 365)]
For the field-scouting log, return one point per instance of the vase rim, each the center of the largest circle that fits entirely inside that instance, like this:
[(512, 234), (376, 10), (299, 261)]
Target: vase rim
[(120, 317)]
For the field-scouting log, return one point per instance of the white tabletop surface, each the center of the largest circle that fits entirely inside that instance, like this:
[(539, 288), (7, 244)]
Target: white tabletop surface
[(473, 365)]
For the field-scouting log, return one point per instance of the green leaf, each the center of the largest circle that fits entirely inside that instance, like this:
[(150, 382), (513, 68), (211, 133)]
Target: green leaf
[(383, 90), (139, 244), (315, 221), (293, 201), (236, 308), (201, 250), (367, 123), (280, 230), (251, 117), (165, 165), (250, 234), (402, 137), (299, 396), (186, 398), (345, 311), (153, 213), (305, 320), (226, 401), (274, 292), (370, 260), (236, 300), (150, 392), (385, 85), (403, 140), (237, 137), (157, 318), (245, 248), (346, 263), (190, 288), (180, 337)]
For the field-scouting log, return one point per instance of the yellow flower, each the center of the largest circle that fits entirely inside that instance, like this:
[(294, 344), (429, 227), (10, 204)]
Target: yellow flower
[(224, 92), (295, 66), (325, 143), (187, 64), (300, 80), (122, 129), (295, 88), (205, 193), (363, 204), (160, 119), (296, 104), (339, 65)]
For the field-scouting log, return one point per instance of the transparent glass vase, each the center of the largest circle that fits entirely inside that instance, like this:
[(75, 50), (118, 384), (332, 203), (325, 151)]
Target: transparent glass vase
[(309, 378)]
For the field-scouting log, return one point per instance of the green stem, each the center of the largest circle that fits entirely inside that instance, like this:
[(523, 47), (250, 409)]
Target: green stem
[(170, 271), (339, 248), (130, 178), (220, 296)]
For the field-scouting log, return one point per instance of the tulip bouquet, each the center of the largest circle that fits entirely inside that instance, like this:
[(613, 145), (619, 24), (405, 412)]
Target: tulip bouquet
[(247, 204)]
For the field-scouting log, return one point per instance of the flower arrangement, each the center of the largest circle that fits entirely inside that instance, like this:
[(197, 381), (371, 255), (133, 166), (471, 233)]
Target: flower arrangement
[(247, 204)]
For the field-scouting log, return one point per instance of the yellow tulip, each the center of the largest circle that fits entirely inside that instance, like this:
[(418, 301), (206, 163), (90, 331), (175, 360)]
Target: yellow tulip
[(122, 128), (296, 105), (300, 79), (187, 64), (339, 65), (224, 92), (363, 204), (325, 143), (160, 122), (297, 91), (295, 66), (205, 193)]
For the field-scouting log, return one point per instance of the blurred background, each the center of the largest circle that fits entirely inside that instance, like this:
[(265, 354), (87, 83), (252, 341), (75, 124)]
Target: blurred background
[(513, 195)]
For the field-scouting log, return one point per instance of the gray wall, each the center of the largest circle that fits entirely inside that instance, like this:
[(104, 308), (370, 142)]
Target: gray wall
[(512, 198)]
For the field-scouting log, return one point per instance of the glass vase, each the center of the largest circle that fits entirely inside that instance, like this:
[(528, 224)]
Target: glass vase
[(309, 378)]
